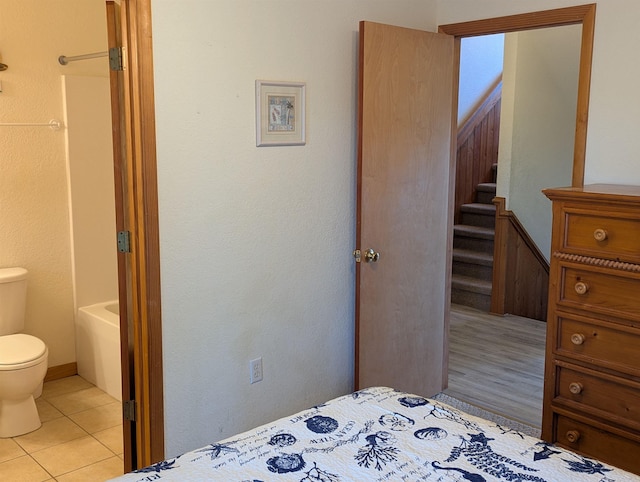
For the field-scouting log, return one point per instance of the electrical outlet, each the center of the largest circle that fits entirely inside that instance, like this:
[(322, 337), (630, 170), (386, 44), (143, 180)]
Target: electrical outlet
[(255, 370)]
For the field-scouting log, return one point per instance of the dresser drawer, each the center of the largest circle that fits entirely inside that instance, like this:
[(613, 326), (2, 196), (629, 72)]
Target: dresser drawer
[(608, 345), (601, 444), (605, 396), (603, 235), (609, 292)]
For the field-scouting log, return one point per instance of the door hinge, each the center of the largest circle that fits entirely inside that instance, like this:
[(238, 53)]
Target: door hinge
[(357, 255), (129, 410), (116, 58), (124, 245)]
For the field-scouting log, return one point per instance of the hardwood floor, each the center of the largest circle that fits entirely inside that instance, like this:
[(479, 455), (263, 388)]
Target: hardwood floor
[(497, 363)]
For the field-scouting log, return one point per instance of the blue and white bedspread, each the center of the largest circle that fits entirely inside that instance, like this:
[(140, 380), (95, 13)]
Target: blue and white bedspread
[(380, 434)]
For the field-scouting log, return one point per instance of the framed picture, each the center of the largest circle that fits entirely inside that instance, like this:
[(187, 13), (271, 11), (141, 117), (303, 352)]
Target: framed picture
[(280, 112)]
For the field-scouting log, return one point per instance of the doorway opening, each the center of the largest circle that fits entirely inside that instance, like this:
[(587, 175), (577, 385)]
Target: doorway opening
[(477, 373)]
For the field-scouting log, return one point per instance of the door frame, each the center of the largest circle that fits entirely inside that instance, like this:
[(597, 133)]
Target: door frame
[(142, 199), (580, 14), (140, 203)]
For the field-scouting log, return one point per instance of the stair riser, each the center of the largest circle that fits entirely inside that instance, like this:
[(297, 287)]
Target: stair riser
[(476, 219), (472, 273), (473, 270), (468, 298), (485, 197), (476, 244)]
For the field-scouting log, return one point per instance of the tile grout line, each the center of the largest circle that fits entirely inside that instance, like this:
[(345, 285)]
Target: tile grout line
[(110, 452)]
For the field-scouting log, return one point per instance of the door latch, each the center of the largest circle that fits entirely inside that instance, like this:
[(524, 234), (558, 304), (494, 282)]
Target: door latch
[(370, 255)]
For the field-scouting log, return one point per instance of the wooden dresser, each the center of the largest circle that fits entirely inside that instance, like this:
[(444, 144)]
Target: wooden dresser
[(592, 372)]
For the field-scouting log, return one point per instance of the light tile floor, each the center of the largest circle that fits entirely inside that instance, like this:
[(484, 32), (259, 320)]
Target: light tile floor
[(80, 438)]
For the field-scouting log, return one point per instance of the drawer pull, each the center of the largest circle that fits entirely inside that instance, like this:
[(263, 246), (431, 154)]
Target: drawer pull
[(577, 338), (581, 288), (575, 388), (600, 234), (573, 436)]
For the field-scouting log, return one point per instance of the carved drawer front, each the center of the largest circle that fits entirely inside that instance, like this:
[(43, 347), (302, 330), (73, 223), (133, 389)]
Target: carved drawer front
[(605, 291), (609, 236), (609, 447), (606, 344), (605, 396)]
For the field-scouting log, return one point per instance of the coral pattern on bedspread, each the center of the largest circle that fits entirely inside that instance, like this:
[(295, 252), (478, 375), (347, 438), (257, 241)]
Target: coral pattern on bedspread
[(380, 434)]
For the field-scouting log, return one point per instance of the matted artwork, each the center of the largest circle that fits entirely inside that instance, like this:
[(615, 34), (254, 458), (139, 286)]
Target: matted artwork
[(280, 112)]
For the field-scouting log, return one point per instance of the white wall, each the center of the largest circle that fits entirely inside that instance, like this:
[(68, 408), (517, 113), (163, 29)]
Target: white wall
[(480, 69), (34, 207), (91, 188), (256, 242), (614, 110), (538, 123)]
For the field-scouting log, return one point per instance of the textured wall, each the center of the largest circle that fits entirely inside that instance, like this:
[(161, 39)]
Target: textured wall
[(538, 123), (480, 68), (256, 242), (90, 160)]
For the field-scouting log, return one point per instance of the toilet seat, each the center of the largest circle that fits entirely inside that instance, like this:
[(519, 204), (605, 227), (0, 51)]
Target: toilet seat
[(21, 351)]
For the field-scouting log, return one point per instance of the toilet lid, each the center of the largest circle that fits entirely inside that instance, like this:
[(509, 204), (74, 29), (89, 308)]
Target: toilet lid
[(20, 349)]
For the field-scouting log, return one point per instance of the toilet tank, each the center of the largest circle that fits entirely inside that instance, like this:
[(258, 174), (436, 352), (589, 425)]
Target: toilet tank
[(13, 298)]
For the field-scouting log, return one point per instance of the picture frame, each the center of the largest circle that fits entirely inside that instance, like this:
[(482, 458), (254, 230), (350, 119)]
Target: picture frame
[(280, 113)]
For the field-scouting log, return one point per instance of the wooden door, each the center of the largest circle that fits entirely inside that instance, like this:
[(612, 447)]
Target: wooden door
[(405, 149), (114, 40)]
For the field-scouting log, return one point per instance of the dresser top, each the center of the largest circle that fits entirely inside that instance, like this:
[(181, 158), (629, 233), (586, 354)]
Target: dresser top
[(612, 192)]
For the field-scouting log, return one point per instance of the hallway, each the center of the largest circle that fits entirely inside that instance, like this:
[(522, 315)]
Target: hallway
[(497, 363)]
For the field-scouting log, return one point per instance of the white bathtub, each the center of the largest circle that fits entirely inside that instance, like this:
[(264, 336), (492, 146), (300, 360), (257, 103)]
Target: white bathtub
[(98, 346)]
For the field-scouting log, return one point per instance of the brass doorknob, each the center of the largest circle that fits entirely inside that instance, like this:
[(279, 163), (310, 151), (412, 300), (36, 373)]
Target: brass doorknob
[(371, 256)]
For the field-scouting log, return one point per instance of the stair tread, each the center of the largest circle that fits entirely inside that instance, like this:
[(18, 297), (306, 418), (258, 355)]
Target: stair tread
[(468, 283), (474, 231), (475, 257), (479, 208)]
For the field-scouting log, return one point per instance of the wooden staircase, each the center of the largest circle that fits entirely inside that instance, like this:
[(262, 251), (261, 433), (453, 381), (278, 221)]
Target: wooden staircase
[(516, 281), (473, 242), (474, 220)]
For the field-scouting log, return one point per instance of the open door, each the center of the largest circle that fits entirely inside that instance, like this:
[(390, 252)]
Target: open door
[(114, 39), (403, 233)]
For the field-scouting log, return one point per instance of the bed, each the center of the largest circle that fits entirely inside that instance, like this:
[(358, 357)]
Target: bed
[(380, 434)]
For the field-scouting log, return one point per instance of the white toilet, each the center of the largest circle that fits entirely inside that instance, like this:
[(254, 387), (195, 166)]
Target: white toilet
[(23, 359)]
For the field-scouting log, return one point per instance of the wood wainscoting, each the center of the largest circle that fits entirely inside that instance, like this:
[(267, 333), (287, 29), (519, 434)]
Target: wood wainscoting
[(477, 149), (520, 270)]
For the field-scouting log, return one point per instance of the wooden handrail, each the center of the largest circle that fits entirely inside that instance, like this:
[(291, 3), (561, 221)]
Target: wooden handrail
[(477, 149)]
